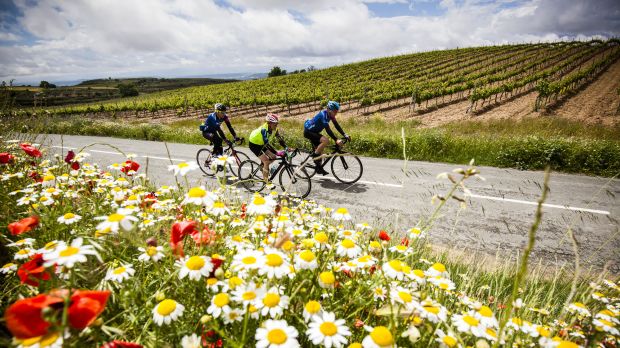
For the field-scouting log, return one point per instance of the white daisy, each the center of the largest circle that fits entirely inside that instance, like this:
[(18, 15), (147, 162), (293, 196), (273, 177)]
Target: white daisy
[(272, 303), (275, 264), (219, 305), (69, 255), (22, 243), (306, 259), (121, 273), (183, 168), (69, 218), (116, 221), (219, 208), (341, 214), (246, 295), (403, 296), (199, 196), (167, 311), (195, 267), (312, 308), (437, 270), (486, 316), (401, 249), (276, 334), (151, 253), (193, 341), (448, 340), (234, 315), (326, 330), (327, 280), (246, 260), (379, 337), (261, 205), (432, 310), (348, 248), (8, 268), (467, 322), (395, 269)]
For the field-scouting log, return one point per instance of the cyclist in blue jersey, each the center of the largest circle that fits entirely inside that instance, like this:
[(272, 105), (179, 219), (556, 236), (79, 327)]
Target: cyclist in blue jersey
[(212, 131), (314, 126)]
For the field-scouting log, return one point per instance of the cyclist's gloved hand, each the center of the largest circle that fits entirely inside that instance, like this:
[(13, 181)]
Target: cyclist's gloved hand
[(228, 142), (348, 137), (237, 139), (280, 153)]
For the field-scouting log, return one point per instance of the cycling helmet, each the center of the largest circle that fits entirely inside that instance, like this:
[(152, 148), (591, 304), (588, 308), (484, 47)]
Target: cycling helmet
[(272, 118), (220, 107), (333, 105)]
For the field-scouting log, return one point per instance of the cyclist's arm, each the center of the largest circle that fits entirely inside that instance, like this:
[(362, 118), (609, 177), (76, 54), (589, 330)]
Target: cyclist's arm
[(220, 132), (337, 125), (230, 128), (280, 139), (331, 133)]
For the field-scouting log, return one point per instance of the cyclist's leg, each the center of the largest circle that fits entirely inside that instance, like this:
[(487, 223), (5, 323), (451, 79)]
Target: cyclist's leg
[(218, 149)]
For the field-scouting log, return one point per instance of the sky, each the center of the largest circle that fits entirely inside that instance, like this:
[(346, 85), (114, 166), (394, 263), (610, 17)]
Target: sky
[(62, 40)]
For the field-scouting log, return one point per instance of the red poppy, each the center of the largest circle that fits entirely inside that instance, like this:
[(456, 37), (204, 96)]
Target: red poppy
[(205, 237), (130, 165), (86, 305), (24, 317), (179, 231), (23, 225), (404, 241), (30, 150), (6, 157), (384, 235), (121, 344), (75, 165), (35, 176), (32, 271), (70, 156)]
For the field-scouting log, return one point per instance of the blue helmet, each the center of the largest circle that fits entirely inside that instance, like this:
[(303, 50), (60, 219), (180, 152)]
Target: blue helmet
[(333, 105)]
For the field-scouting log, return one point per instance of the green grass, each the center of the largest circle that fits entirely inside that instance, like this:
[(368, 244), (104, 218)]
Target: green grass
[(531, 144)]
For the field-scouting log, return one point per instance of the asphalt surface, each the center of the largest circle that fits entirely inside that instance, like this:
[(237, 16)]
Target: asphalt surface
[(395, 195)]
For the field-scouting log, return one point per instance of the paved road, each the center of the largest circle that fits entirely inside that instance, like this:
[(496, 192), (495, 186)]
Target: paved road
[(395, 194)]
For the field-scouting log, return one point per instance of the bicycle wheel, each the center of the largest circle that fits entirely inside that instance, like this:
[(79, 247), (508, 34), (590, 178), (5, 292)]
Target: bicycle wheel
[(347, 168), (295, 181), (239, 158), (204, 158), (251, 176)]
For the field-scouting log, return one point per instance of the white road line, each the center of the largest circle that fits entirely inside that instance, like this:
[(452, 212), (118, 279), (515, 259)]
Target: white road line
[(567, 207), (362, 181)]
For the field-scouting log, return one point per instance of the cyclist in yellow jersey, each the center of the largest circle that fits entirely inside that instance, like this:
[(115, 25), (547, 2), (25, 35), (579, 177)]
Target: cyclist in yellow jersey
[(260, 143)]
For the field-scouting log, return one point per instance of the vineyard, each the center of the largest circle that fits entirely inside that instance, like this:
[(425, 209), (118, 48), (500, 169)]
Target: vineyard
[(484, 77)]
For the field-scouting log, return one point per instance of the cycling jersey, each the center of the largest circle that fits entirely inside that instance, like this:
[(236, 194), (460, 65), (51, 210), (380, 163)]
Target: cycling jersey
[(319, 122), (262, 136)]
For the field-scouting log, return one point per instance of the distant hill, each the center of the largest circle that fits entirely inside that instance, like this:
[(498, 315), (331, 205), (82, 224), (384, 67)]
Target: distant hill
[(153, 84)]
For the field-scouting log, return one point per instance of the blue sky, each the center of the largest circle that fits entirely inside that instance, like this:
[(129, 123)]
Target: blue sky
[(62, 40)]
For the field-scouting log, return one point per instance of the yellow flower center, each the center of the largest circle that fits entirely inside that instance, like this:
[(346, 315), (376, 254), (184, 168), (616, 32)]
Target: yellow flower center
[(606, 322), (396, 265), (196, 192), (471, 321), (274, 260), (431, 309), (166, 307), (277, 336), (234, 282), (259, 200), (68, 216), (219, 205), (119, 270), (221, 300), (347, 243), (439, 267), (364, 259), (321, 237), (271, 300), (151, 251), (195, 263), (69, 251), (449, 341), (48, 177), (419, 273), (116, 217), (288, 245), (382, 336), (49, 339), (211, 281), (405, 296), (312, 307), (182, 165), (342, 211), (485, 312), (327, 278), (249, 295), (328, 329), (307, 256), (579, 304), (249, 260), (567, 344), (543, 331)]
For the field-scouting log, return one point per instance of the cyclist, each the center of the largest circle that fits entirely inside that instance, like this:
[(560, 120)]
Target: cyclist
[(313, 128), (212, 131), (261, 140)]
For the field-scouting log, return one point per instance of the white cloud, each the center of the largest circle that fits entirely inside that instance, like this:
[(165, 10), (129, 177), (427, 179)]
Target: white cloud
[(171, 37)]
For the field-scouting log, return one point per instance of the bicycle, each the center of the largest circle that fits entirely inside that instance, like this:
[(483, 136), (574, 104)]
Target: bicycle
[(345, 167), (204, 157), (293, 179)]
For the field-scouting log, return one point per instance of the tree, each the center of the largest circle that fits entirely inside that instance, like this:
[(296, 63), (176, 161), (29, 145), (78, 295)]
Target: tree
[(276, 71), (127, 89), (45, 84), (311, 68)]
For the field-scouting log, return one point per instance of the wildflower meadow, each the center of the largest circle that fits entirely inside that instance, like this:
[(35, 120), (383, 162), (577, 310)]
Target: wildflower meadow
[(100, 257)]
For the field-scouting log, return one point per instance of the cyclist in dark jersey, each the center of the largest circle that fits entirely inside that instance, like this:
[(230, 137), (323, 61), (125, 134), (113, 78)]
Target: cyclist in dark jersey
[(212, 130), (261, 140), (314, 126)]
